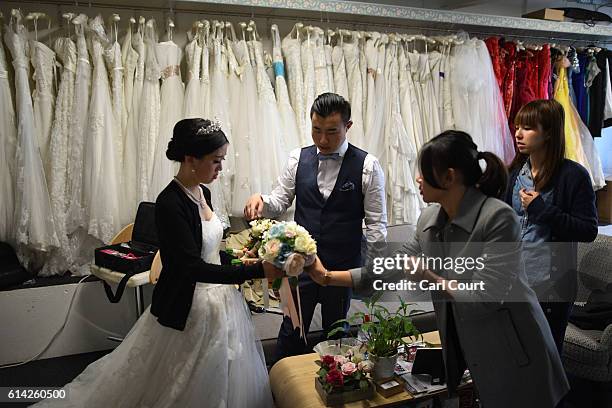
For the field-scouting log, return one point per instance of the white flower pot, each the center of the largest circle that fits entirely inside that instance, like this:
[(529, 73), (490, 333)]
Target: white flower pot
[(384, 367)]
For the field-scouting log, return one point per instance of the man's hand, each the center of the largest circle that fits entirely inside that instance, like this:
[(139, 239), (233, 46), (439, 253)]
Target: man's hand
[(254, 207), (527, 197), (317, 272), (271, 271)]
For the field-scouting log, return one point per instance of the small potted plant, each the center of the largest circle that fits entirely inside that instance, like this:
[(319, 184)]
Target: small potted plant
[(383, 332)]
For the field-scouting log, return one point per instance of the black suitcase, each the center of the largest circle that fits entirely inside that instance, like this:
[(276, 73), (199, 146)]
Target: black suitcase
[(11, 271), (134, 256)]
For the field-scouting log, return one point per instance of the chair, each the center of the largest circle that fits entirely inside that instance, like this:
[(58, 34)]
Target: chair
[(587, 354), (136, 281)]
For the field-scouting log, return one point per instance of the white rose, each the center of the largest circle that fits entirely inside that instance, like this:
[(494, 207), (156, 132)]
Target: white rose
[(294, 265)]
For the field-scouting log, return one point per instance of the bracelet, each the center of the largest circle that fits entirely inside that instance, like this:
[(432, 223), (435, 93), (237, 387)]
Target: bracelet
[(328, 277)]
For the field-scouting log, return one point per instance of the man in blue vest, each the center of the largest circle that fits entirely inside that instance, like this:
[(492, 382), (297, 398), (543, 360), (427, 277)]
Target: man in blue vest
[(337, 187)]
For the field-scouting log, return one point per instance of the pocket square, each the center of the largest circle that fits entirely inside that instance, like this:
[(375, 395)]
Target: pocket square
[(348, 186)]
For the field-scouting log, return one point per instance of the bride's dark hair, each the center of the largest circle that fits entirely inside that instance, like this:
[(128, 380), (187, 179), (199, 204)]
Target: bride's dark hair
[(195, 137)]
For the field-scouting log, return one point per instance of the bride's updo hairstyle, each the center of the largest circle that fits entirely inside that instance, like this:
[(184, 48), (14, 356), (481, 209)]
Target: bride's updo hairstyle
[(195, 137)]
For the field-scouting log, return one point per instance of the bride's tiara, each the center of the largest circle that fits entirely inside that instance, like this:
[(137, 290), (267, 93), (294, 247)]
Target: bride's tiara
[(214, 126)]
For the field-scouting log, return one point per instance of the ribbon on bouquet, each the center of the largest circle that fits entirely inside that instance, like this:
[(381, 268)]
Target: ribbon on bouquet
[(288, 306)]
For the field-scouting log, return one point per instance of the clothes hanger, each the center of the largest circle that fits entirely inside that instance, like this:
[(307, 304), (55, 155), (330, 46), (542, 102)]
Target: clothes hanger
[(295, 31), (68, 17), (35, 16), (330, 35), (243, 27), (232, 31), (170, 29), (114, 25), (256, 36)]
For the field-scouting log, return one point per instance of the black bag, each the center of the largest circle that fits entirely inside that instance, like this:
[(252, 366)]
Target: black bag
[(11, 271), (131, 257)]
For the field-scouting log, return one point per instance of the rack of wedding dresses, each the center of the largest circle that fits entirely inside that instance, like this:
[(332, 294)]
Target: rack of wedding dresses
[(87, 143)]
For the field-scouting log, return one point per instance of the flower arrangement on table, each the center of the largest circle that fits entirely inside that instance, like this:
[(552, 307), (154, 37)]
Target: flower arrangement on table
[(341, 373)]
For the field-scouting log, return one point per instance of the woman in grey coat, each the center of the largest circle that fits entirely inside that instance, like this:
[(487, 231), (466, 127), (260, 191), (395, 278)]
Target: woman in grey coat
[(488, 318)]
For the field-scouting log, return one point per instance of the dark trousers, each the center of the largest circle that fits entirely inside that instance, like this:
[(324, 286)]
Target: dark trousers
[(335, 303), (557, 314)]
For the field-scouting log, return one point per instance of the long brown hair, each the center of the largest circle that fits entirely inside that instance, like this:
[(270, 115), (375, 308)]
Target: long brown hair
[(548, 117)]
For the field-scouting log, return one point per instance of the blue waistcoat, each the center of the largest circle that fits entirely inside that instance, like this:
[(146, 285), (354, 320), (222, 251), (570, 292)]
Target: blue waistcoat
[(336, 224)]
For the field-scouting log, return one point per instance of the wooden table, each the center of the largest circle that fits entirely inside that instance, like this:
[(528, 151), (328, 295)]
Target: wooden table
[(292, 382)]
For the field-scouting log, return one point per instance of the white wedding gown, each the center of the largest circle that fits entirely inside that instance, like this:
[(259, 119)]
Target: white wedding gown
[(60, 260), (34, 226), (295, 82), (193, 107), (132, 87), (171, 111), (355, 89), (102, 176), (8, 144), (43, 97), (216, 361)]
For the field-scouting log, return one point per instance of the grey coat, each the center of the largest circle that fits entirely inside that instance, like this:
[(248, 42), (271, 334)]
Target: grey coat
[(501, 332)]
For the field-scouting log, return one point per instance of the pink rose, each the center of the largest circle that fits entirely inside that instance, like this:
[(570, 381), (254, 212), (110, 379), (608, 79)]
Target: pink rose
[(340, 360), (294, 265), (366, 366), (272, 247), (348, 368)]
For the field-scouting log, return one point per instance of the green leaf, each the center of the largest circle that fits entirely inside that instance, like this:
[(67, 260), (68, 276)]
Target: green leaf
[(363, 384), (335, 331), (236, 262)]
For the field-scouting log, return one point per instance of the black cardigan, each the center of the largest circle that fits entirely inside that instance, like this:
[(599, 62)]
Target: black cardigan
[(179, 229), (572, 216)]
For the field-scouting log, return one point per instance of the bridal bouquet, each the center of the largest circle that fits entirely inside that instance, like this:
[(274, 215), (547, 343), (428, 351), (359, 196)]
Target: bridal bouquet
[(256, 233), (289, 247)]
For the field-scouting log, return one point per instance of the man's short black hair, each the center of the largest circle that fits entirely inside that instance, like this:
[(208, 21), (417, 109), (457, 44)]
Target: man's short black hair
[(329, 103)]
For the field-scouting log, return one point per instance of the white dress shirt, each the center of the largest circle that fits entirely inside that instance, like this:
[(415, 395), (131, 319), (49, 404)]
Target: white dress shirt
[(372, 185)]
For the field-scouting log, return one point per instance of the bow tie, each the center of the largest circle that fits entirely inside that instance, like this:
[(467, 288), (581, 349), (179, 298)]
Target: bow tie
[(330, 156)]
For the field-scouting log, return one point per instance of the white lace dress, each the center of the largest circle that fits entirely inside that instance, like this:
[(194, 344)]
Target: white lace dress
[(270, 141), (295, 81), (66, 51), (101, 184), (193, 107), (34, 227), (8, 144), (355, 89), (78, 126), (217, 88), (114, 64), (43, 97), (172, 98), (132, 89), (290, 132), (216, 361), (309, 75), (320, 65), (339, 70)]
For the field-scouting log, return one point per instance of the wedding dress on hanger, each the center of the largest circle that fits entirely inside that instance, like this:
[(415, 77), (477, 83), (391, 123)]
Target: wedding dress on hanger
[(43, 97), (172, 97), (78, 127), (102, 175), (220, 110), (339, 69), (205, 71), (8, 145), (33, 222), (402, 193), (291, 48), (150, 111), (371, 53), (355, 89), (320, 63), (114, 63), (308, 72), (242, 117), (132, 88), (193, 107), (291, 137), (375, 130), (60, 259)]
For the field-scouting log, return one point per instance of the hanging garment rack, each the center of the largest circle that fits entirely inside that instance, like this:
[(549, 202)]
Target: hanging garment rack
[(387, 18)]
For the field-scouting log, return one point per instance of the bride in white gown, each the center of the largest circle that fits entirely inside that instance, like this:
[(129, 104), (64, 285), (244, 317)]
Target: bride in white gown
[(214, 360)]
